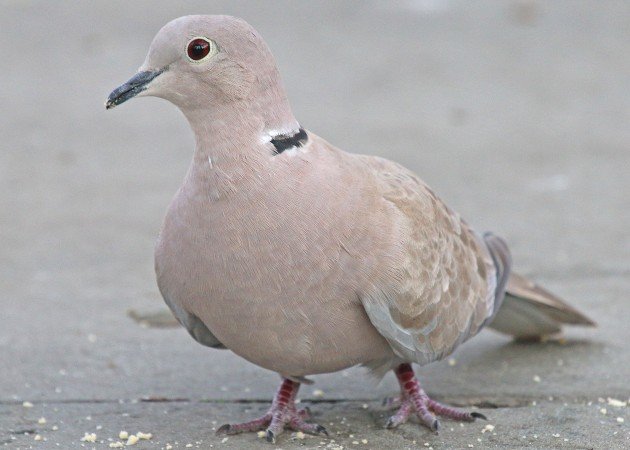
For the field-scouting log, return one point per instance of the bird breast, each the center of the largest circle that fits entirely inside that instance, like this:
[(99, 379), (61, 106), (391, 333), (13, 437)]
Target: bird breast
[(273, 277)]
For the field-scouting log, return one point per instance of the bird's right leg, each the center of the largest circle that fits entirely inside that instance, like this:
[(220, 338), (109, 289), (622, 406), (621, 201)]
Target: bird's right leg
[(282, 413), (414, 400)]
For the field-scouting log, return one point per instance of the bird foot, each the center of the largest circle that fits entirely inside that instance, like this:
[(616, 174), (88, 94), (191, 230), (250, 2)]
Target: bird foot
[(282, 414), (415, 400)]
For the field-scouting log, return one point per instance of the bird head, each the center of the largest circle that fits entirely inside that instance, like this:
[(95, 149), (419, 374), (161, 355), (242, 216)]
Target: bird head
[(201, 62)]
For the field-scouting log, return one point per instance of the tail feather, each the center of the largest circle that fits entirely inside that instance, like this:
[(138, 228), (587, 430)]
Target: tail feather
[(531, 312), (520, 287)]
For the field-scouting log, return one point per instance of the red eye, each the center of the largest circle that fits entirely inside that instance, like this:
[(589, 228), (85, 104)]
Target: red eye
[(198, 49)]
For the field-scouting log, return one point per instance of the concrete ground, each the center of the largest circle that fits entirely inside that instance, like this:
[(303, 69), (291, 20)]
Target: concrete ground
[(516, 112)]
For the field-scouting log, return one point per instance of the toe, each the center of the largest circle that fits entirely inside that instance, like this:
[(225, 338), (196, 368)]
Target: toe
[(429, 420), (299, 425), (391, 423), (223, 429), (401, 416)]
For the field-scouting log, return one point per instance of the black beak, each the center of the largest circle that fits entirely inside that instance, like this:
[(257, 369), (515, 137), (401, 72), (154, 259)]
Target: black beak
[(131, 88)]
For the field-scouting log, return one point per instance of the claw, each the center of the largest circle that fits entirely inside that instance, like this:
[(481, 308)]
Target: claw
[(435, 426), (321, 430), (390, 424), (270, 437), (477, 415)]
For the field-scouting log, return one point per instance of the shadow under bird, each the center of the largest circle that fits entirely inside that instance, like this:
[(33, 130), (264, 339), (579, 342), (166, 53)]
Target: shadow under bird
[(305, 259)]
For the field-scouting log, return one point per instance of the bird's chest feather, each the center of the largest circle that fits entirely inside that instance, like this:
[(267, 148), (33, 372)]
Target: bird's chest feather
[(246, 249), (262, 262)]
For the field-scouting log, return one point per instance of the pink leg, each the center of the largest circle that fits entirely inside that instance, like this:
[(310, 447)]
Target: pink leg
[(415, 395), (282, 413), (415, 399)]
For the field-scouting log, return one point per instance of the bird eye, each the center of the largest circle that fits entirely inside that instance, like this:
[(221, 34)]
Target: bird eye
[(199, 48)]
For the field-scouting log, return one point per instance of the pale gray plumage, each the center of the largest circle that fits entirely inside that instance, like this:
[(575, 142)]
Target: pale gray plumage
[(310, 260)]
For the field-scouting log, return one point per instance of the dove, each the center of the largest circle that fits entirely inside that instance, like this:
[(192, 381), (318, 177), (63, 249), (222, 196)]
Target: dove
[(304, 259)]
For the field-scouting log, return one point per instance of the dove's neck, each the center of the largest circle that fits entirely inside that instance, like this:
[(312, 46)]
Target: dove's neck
[(234, 138)]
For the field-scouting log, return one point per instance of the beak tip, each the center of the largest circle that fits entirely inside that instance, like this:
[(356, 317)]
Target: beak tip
[(111, 101), (131, 88)]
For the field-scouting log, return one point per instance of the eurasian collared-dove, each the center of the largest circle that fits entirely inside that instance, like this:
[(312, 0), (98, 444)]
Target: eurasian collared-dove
[(305, 259)]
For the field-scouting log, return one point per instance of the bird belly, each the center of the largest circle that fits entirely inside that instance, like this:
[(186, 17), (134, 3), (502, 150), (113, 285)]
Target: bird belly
[(295, 317), (284, 331)]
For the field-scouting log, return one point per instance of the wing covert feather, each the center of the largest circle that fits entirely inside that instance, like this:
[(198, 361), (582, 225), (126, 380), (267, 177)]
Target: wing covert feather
[(444, 288)]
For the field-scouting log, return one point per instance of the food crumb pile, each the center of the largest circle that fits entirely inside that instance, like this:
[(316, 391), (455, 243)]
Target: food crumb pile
[(89, 437)]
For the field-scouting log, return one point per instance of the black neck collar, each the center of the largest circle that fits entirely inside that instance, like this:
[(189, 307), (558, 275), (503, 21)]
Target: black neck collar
[(284, 142)]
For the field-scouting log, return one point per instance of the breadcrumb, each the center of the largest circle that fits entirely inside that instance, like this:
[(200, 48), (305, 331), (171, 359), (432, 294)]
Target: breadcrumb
[(616, 403), (123, 435), (145, 436), (89, 437), (27, 404), (132, 440), (117, 444), (38, 437)]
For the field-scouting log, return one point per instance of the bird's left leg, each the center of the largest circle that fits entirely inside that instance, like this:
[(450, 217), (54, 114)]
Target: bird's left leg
[(414, 399), (282, 413)]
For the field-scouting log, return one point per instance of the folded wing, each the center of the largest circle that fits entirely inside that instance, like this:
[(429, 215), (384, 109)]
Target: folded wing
[(444, 289)]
